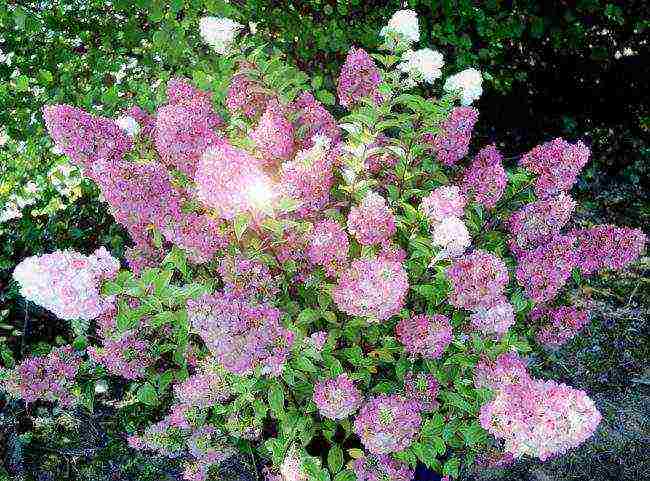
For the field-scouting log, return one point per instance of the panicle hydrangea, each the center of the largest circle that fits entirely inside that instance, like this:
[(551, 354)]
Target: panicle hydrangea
[(127, 356), (67, 283), (485, 179), (273, 135), (142, 256), (226, 180), (538, 222), (372, 222), (388, 423), (424, 64), (607, 247), (197, 234), (543, 271), (404, 25), (494, 319), (422, 388), (246, 96), (146, 122), (313, 119), (557, 164), (381, 468), (129, 125), (208, 387), (219, 33), (443, 202), (508, 369), (468, 83), (360, 78), (185, 126), (540, 418), (452, 236), (308, 178), (48, 378), (89, 141), (423, 335), (374, 288), (451, 143), (241, 336), (559, 324), (477, 280), (337, 398), (248, 279), (328, 246)]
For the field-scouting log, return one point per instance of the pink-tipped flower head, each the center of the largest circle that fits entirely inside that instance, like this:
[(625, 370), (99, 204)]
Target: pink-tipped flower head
[(337, 398), (372, 222), (359, 79), (477, 280), (426, 336), (485, 179)]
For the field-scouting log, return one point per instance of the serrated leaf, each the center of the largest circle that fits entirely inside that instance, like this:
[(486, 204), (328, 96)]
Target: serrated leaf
[(335, 459)]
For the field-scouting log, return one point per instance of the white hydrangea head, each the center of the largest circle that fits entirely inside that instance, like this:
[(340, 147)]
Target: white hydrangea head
[(422, 65), (128, 124), (10, 211), (219, 32), (404, 24), (469, 83), (452, 235)]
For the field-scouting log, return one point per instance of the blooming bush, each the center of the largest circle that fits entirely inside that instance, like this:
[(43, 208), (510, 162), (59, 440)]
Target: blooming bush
[(284, 298)]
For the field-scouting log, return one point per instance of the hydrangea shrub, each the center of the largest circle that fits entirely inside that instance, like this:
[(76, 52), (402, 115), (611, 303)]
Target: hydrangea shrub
[(344, 298)]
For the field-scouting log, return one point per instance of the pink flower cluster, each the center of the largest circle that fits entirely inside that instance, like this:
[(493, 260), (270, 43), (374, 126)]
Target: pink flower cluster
[(559, 324), (197, 234), (359, 79), (246, 96), (451, 143), (273, 135), (477, 280), (507, 370), (485, 178), (337, 398), (208, 387), (374, 288), (313, 119), (426, 336), (423, 389), (328, 246), (89, 141), (607, 247), (495, 319), (534, 417), (538, 222), (247, 279), (241, 336), (443, 202), (443, 208), (557, 164), (388, 423), (47, 378), (127, 355), (372, 222), (380, 468), (543, 271), (67, 283)]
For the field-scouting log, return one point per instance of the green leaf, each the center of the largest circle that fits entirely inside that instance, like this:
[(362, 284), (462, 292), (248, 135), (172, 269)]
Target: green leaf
[(451, 467), (345, 475), (276, 400), (335, 459), (240, 225), (147, 394)]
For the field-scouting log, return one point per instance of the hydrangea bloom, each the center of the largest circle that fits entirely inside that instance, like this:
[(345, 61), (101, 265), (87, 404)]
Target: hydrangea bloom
[(328, 246), (273, 135), (468, 83), (128, 124), (241, 336), (443, 202), (127, 356), (388, 423), (206, 388), (246, 96), (313, 119), (495, 319), (424, 64), (231, 181), (607, 247), (426, 336), (559, 324), (403, 24), (372, 222), (48, 378), (452, 236), (67, 283), (219, 33), (422, 388), (146, 123), (507, 369), (381, 468), (247, 279), (451, 143), (477, 280), (485, 179), (359, 79), (557, 164), (337, 398), (538, 222), (544, 270), (374, 288), (197, 234), (540, 418)]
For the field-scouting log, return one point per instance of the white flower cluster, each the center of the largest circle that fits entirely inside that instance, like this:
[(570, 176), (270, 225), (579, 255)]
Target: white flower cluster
[(468, 83), (422, 65), (18, 201), (452, 235), (404, 25), (219, 33), (129, 125)]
